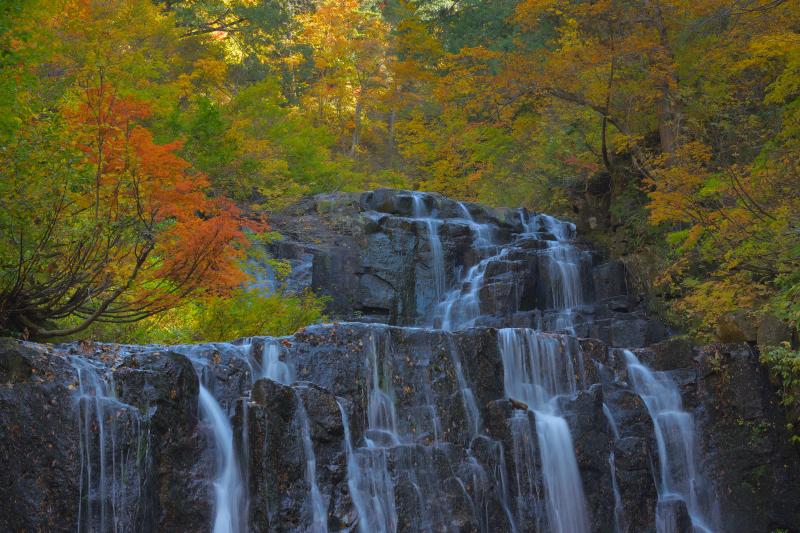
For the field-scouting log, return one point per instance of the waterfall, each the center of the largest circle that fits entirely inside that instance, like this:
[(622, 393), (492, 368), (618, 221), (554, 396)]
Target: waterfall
[(230, 490), (369, 479), (536, 371), (619, 513), (228, 485), (421, 213), (381, 412), (679, 477), (110, 474), (272, 366), (355, 479), (318, 507), (481, 233), (426, 450), (471, 410), (563, 265), (461, 305)]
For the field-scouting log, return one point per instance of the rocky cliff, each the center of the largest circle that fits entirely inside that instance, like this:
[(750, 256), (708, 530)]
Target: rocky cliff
[(490, 373)]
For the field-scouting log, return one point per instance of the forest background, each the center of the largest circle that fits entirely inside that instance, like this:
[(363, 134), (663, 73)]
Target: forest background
[(142, 141)]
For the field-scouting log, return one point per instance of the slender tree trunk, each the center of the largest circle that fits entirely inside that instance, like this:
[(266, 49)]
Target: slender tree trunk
[(667, 106), (390, 140), (356, 126)]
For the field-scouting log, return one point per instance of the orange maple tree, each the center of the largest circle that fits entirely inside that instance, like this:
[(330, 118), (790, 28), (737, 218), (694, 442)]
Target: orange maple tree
[(149, 234)]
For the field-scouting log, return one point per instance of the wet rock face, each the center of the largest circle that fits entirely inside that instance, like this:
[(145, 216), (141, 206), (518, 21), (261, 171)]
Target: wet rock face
[(39, 444), (164, 386), (379, 265), (747, 448), (359, 426)]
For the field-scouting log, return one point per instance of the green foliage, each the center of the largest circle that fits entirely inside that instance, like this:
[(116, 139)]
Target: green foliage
[(245, 313), (784, 363)]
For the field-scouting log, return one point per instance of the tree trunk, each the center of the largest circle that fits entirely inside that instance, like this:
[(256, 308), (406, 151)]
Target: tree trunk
[(356, 127)]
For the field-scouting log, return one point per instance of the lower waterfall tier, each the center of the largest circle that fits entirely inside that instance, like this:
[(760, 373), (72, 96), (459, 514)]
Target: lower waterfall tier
[(107, 437)]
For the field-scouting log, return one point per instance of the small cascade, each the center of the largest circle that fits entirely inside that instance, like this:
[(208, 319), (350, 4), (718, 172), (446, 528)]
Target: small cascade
[(619, 512), (462, 305), (422, 213), (678, 476), (272, 367), (229, 504), (318, 507), (536, 371), (369, 479), (113, 448), (230, 491), (475, 476), (381, 412), (467, 395), (482, 234), (355, 479), (564, 267)]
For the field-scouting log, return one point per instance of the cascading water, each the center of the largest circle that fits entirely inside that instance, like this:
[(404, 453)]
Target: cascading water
[(467, 395), (461, 305), (318, 507), (110, 482), (272, 367), (619, 513), (564, 264), (228, 486), (678, 473), (423, 214), (230, 492), (536, 371), (369, 479)]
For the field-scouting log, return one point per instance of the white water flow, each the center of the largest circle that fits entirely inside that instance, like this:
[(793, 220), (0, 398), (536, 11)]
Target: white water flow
[(537, 369), (563, 267), (354, 474), (481, 233), (679, 477), (229, 492), (110, 482), (318, 507), (368, 478), (271, 365), (473, 414), (422, 213), (619, 512), (461, 306), (478, 478)]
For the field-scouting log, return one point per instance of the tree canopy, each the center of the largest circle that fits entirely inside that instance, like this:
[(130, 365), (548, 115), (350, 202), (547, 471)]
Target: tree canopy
[(141, 141)]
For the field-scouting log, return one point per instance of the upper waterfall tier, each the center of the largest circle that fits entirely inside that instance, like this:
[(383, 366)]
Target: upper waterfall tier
[(410, 258)]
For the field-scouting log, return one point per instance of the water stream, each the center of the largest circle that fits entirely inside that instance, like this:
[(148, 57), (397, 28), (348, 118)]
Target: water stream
[(678, 475)]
